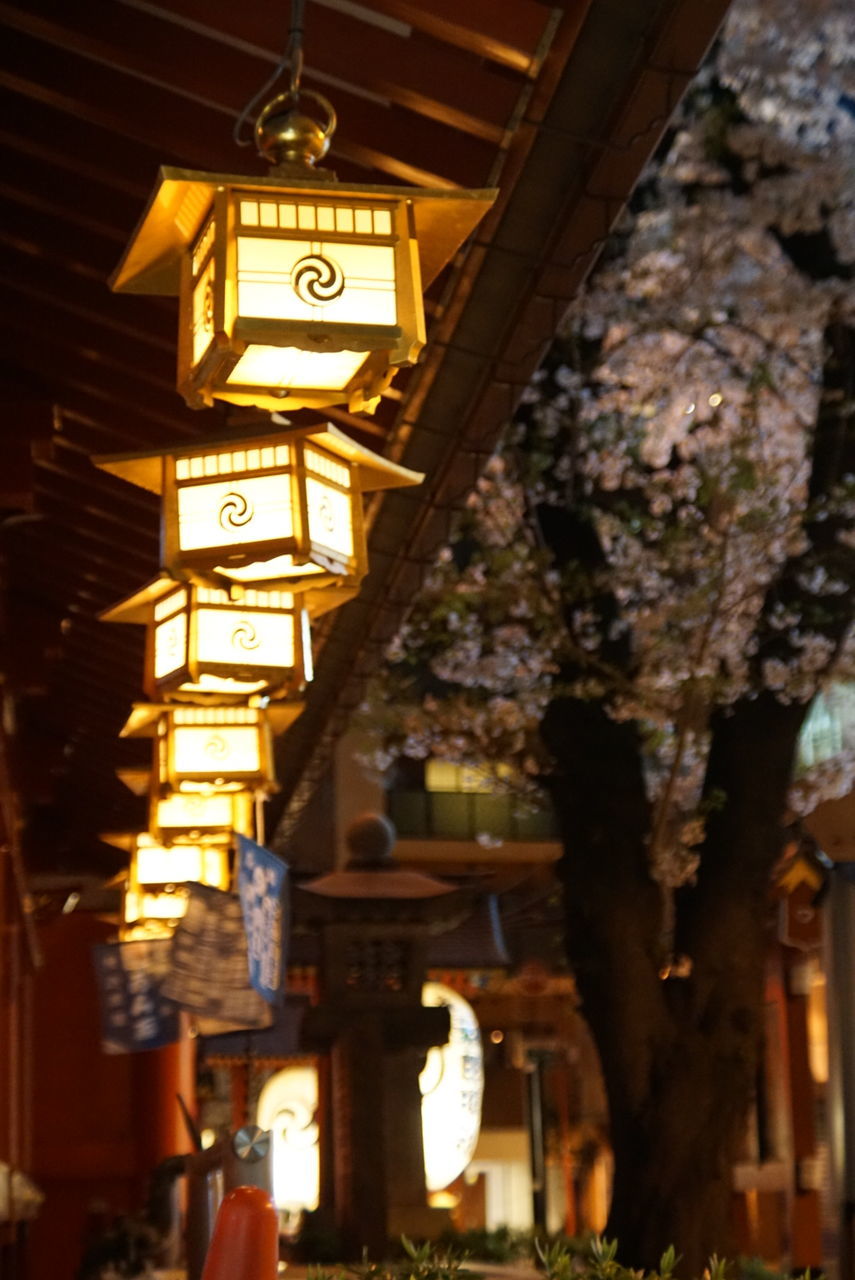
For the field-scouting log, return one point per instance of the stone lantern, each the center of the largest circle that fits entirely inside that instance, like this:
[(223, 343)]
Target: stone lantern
[(375, 921)]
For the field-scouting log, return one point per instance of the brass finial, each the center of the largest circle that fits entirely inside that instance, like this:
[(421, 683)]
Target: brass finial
[(291, 139)]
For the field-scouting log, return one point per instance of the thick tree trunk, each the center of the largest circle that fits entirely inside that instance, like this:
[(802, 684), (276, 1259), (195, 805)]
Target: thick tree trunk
[(679, 1055)]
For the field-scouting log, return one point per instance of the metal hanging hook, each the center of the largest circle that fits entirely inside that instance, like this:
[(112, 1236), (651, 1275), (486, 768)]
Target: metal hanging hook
[(295, 45), (291, 58)]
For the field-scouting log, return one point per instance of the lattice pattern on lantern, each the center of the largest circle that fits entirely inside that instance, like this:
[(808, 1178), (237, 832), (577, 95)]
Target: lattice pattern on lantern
[(270, 511), (294, 294), (211, 748), (206, 642), (314, 280), (195, 815), (377, 965)]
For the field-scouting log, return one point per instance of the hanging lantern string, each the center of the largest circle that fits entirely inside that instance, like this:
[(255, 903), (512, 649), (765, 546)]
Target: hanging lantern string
[(291, 58)]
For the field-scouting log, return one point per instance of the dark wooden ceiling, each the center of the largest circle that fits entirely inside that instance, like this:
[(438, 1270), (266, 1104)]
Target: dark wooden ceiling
[(558, 104)]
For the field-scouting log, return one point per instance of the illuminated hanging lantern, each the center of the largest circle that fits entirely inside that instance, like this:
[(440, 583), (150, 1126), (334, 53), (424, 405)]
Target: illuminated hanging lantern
[(266, 511), (295, 289), (154, 865), (182, 817), (203, 643), (155, 889), (211, 748)]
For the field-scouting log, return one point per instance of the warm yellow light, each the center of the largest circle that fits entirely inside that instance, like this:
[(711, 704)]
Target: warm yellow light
[(442, 775), (452, 1086), (332, 281), (170, 645), (203, 315), (211, 748), (226, 514), (247, 636), (278, 568), (211, 751), (308, 295), (182, 814), (287, 1106), (278, 511), (285, 367), (817, 1023), (155, 896), (165, 906), (156, 864), (208, 641)]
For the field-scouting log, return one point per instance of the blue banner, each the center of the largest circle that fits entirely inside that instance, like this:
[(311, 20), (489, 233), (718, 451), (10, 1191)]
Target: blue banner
[(134, 1013), (262, 880), (208, 972)]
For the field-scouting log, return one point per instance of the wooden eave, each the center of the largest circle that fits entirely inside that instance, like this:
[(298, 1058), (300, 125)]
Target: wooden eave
[(559, 105)]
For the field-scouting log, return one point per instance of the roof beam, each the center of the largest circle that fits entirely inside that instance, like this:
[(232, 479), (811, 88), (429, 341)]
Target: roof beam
[(458, 88), (187, 93)]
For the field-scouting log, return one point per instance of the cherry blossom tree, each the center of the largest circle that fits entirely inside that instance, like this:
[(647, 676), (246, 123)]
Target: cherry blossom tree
[(651, 582)]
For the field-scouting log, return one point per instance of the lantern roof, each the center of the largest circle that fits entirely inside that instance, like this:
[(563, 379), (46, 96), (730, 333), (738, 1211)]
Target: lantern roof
[(124, 840), (370, 873), (130, 841), (138, 781), (378, 883), (444, 217), (376, 472), (138, 606), (144, 717)]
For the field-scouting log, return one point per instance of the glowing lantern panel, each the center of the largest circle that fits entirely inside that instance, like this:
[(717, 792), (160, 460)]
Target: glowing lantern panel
[(452, 1086), (287, 1106), (205, 748), (177, 864), (211, 748), (188, 815)]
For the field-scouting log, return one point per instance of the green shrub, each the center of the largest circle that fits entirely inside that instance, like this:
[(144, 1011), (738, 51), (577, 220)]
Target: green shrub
[(559, 1258)]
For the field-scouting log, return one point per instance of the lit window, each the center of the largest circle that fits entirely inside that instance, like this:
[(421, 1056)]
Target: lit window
[(440, 775)]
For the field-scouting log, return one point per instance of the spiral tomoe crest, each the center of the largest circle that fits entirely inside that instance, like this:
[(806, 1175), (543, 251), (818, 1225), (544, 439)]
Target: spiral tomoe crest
[(317, 280), (216, 747), (326, 514), (245, 636), (235, 511)]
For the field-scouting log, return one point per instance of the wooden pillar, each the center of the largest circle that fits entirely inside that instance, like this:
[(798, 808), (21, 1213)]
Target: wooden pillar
[(85, 1117), (805, 1226), (239, 1073), (160, 1076)]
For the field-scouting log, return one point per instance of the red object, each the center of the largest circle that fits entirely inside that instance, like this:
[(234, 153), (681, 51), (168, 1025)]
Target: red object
[(245, 1243)]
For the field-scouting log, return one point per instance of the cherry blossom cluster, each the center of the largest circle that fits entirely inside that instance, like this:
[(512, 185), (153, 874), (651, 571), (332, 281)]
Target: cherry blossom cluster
[(677, 421)]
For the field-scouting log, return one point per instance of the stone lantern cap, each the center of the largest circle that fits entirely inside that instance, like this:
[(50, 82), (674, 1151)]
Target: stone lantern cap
[(370, 873), (370, 882)]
